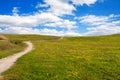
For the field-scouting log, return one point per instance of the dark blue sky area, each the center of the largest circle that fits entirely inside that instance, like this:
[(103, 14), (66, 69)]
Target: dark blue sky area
[(28, 6), (106, 8)]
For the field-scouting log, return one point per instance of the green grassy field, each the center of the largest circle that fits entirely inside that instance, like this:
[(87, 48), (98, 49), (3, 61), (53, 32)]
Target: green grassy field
[(72, 58), (9, 47)]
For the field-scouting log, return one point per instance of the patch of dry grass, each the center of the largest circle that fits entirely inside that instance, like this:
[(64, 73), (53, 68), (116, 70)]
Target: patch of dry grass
[(3, 37)]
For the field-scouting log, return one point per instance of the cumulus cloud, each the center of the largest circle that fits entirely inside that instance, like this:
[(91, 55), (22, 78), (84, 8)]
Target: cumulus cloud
[(101, 25), (60, 7), (43, 19), (63, 7), (27, 24)]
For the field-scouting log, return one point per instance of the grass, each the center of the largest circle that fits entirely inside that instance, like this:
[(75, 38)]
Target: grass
[(9, 47), (72, 58)]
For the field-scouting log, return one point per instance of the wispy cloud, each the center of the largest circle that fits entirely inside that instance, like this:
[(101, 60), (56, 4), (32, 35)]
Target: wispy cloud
[(39, 5), (15, 11), (81, 2), (101, 25)]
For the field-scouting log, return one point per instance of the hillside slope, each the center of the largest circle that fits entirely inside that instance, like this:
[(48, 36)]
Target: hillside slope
[(71, 58), (9, 47)]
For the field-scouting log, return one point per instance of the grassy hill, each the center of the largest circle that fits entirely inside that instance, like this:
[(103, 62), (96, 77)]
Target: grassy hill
[(9, 47), (72, 58)]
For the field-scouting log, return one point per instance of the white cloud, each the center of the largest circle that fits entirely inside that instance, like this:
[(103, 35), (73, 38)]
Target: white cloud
[(58, 33), (19, 30), (45, 31), (93, 18), (28, 24), (103, 30), (15, 11), (41, 5), (63, 24), (81, 2), (101, 25), (60, 7), (63, 7), (27, 21), (43, 19)]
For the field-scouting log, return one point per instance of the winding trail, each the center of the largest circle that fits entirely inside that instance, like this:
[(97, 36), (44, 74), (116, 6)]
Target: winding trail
[(6, 63)]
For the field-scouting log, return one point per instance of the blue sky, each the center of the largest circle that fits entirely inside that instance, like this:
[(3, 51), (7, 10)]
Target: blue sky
[(60, 17)]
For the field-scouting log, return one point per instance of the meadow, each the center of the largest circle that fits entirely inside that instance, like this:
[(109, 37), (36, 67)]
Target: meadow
[(70, 58), (9, 47)]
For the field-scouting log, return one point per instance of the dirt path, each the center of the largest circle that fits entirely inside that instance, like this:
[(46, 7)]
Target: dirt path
[(61, 37), (7, 62)]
